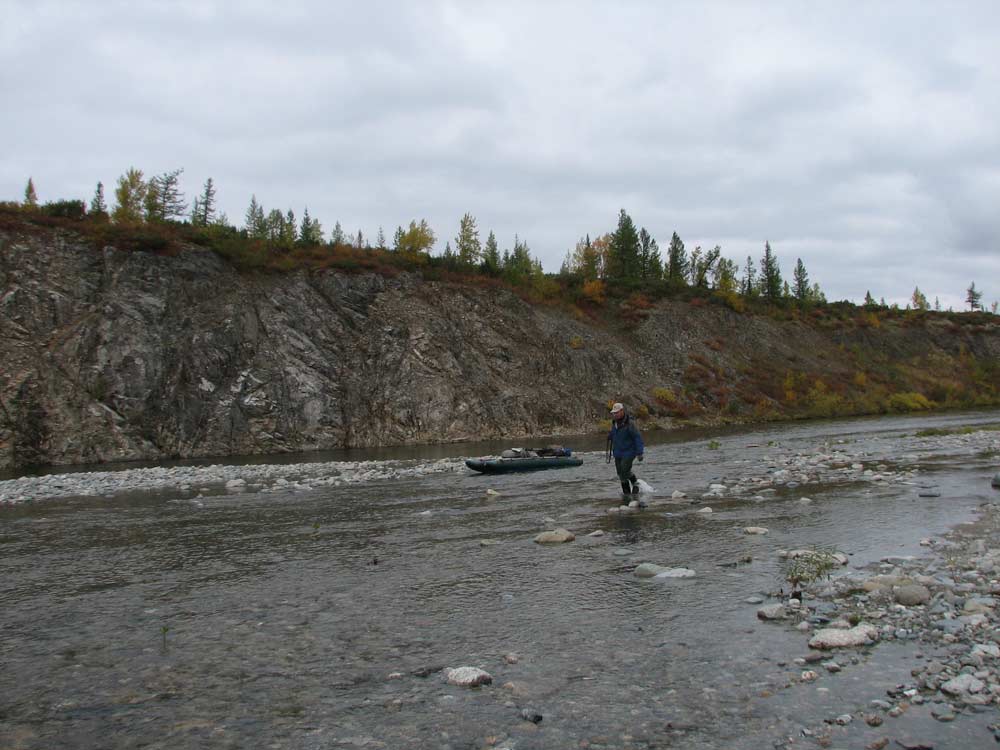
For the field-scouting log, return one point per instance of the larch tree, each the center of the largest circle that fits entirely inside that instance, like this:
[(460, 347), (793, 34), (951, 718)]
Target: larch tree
[(130, 194), (919, 300), (203, 212), (724, 275), (748, 285), (650, 263), (468, 248)]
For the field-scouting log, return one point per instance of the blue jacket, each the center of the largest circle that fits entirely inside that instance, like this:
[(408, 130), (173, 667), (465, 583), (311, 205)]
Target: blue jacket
[(626, 442)]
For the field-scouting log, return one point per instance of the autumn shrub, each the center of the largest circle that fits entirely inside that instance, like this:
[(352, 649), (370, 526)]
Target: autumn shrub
[(900, 402), (576, 343), (594, 292)]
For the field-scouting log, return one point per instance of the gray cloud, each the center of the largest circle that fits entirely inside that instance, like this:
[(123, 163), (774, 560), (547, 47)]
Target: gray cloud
[(860, 137)]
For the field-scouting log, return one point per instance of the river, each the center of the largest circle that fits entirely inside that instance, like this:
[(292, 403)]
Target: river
[(322, 618)]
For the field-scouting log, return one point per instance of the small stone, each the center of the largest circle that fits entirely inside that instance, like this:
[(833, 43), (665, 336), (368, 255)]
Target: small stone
[(706, 509), (598, 532), (831, 666), (511, 658), (844, 719), (529, 714), (755, 530), (911, 595), (676, 573), (873, 720), (468, 677), (557, 536), (754, 600), (964, 683), (492, 492), (878, 744), (809, 676)]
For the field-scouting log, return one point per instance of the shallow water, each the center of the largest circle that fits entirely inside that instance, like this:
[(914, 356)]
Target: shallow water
[(276, 620)]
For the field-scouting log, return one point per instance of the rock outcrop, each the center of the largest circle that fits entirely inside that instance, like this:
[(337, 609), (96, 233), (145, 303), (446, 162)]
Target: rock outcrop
[(114, 355)]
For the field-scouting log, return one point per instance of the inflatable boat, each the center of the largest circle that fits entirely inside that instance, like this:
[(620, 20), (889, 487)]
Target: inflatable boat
[(521, 459)]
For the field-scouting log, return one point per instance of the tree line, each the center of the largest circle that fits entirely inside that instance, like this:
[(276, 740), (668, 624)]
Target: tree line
[(623, 257)]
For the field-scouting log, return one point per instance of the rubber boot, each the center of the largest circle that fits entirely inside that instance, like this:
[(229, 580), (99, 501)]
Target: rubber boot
[(626, 488)]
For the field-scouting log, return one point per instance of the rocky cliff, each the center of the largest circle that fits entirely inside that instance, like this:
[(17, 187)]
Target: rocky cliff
[(108, 355)]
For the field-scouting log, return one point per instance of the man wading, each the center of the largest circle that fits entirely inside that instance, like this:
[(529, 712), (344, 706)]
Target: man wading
[(625, 443)]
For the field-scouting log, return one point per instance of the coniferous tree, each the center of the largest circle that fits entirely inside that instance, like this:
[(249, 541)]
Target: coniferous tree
[(491, 255), (359, 241), (337, 236), (164, 200), (869, 300), (919, 300), (203, 212), (650, 263), (801, 281), (623, 252), (256, 223), (397, 239), (724, 275), (467, 246), (770, 275), (380, 239), (130, 195), (311, 233), (701, 265), (677, 262), (937, 305), (973, 298), (816, 295), (30, 196), (748, 285), (98, 207)]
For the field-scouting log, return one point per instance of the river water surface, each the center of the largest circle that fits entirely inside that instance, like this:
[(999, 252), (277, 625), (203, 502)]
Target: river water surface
[(323, 619)]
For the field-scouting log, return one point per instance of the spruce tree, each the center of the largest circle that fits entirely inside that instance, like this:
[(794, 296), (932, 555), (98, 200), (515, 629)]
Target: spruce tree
[(380, 239), (801, 281), (30, 196), (255, 223), (623, 252), (337, 236), (677, 261), (748, 285), (97, 205), (973, 298), (770, 275), (869, 300), (491, 255)]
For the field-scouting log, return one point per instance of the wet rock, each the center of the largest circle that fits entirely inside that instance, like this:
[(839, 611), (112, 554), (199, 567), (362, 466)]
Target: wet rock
[(978, 605), (706, 509), (530, 714), (468, 677), (963, 684), (943, 714), (844, 719), (648, 570), (754, 600), (912, 595), (676, 573), (873, 720), (511, 658), (557, 536), (996, 481), (878, 744), (772, 612), (833, 638), (755, 530), (598, 532), (809, 676)]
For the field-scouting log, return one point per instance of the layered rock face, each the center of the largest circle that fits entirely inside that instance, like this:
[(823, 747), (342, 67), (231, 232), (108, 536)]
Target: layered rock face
[(110, 355)]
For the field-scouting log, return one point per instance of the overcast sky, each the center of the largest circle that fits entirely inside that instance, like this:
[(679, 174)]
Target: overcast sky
[(862, 137)]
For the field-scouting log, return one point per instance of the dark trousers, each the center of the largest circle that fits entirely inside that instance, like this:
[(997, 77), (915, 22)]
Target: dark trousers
[(623, 466)]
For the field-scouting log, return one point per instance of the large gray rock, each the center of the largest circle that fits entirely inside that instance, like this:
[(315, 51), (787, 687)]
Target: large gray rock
[(834, 638), (963, 684)]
